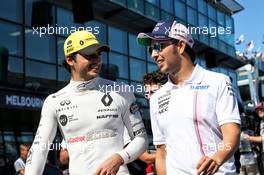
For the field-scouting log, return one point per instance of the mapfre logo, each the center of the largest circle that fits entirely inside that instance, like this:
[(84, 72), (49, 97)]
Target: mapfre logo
[(76, 139)]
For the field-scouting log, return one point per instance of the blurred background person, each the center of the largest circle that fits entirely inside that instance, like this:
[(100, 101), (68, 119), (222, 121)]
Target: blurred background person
[(248, 158), (259, 139), (21, 161)]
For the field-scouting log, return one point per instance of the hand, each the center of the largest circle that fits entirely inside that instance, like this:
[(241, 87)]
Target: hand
[(110, 166), (247, 137), (207, 166), (22, 171)]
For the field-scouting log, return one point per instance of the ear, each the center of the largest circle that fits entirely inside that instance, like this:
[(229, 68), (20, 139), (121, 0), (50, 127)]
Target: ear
[(181, 47), (69, 60)]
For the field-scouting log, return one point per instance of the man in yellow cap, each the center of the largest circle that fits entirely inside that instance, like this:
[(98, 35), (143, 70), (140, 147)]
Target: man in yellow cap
[(91, 116)]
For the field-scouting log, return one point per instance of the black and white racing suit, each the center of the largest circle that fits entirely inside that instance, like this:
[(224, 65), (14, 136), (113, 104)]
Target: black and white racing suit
[(91, 116)]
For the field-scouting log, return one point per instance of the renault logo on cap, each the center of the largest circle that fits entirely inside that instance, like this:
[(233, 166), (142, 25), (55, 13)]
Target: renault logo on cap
[(69, 42)]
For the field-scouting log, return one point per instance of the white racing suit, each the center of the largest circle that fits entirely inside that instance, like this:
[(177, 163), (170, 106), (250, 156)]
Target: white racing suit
[(91, 117)]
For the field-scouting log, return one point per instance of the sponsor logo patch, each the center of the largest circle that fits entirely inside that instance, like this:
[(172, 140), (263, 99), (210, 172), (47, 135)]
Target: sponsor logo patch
[(199, 87), (229, 89), (76, 139), (107, 116), (63, 120), (164, 102), (65, 102), (134, 108)]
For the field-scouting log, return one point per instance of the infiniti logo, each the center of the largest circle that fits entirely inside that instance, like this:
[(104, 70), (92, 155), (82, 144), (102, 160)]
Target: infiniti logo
[(65, 102)]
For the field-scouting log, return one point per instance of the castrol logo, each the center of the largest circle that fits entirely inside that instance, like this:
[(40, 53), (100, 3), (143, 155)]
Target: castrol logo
[(76, 139)]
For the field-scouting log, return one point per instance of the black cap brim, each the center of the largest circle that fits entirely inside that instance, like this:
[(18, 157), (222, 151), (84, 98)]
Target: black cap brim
[(94, 48)]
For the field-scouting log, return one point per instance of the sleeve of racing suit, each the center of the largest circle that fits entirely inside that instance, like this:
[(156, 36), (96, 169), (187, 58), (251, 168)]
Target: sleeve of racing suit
[(226, 104), (136, 129), (44, 136)]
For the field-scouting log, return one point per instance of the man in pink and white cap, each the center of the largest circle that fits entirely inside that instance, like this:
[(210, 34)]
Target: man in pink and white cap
[(194, 116)]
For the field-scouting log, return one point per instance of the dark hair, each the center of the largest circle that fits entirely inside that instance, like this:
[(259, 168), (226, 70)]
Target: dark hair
[(155, 77), (190, 52), (187, 49)]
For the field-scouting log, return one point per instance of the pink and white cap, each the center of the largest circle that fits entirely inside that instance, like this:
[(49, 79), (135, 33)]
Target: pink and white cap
[(180, 32)]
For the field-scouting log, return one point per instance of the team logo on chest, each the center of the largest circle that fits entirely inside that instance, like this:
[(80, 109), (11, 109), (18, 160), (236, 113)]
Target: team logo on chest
[(107, 99)]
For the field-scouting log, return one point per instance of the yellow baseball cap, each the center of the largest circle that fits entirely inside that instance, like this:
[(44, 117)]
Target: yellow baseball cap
[(83, 42)]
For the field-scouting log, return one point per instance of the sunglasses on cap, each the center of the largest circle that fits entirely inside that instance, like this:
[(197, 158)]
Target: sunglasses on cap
[(159, 46)]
